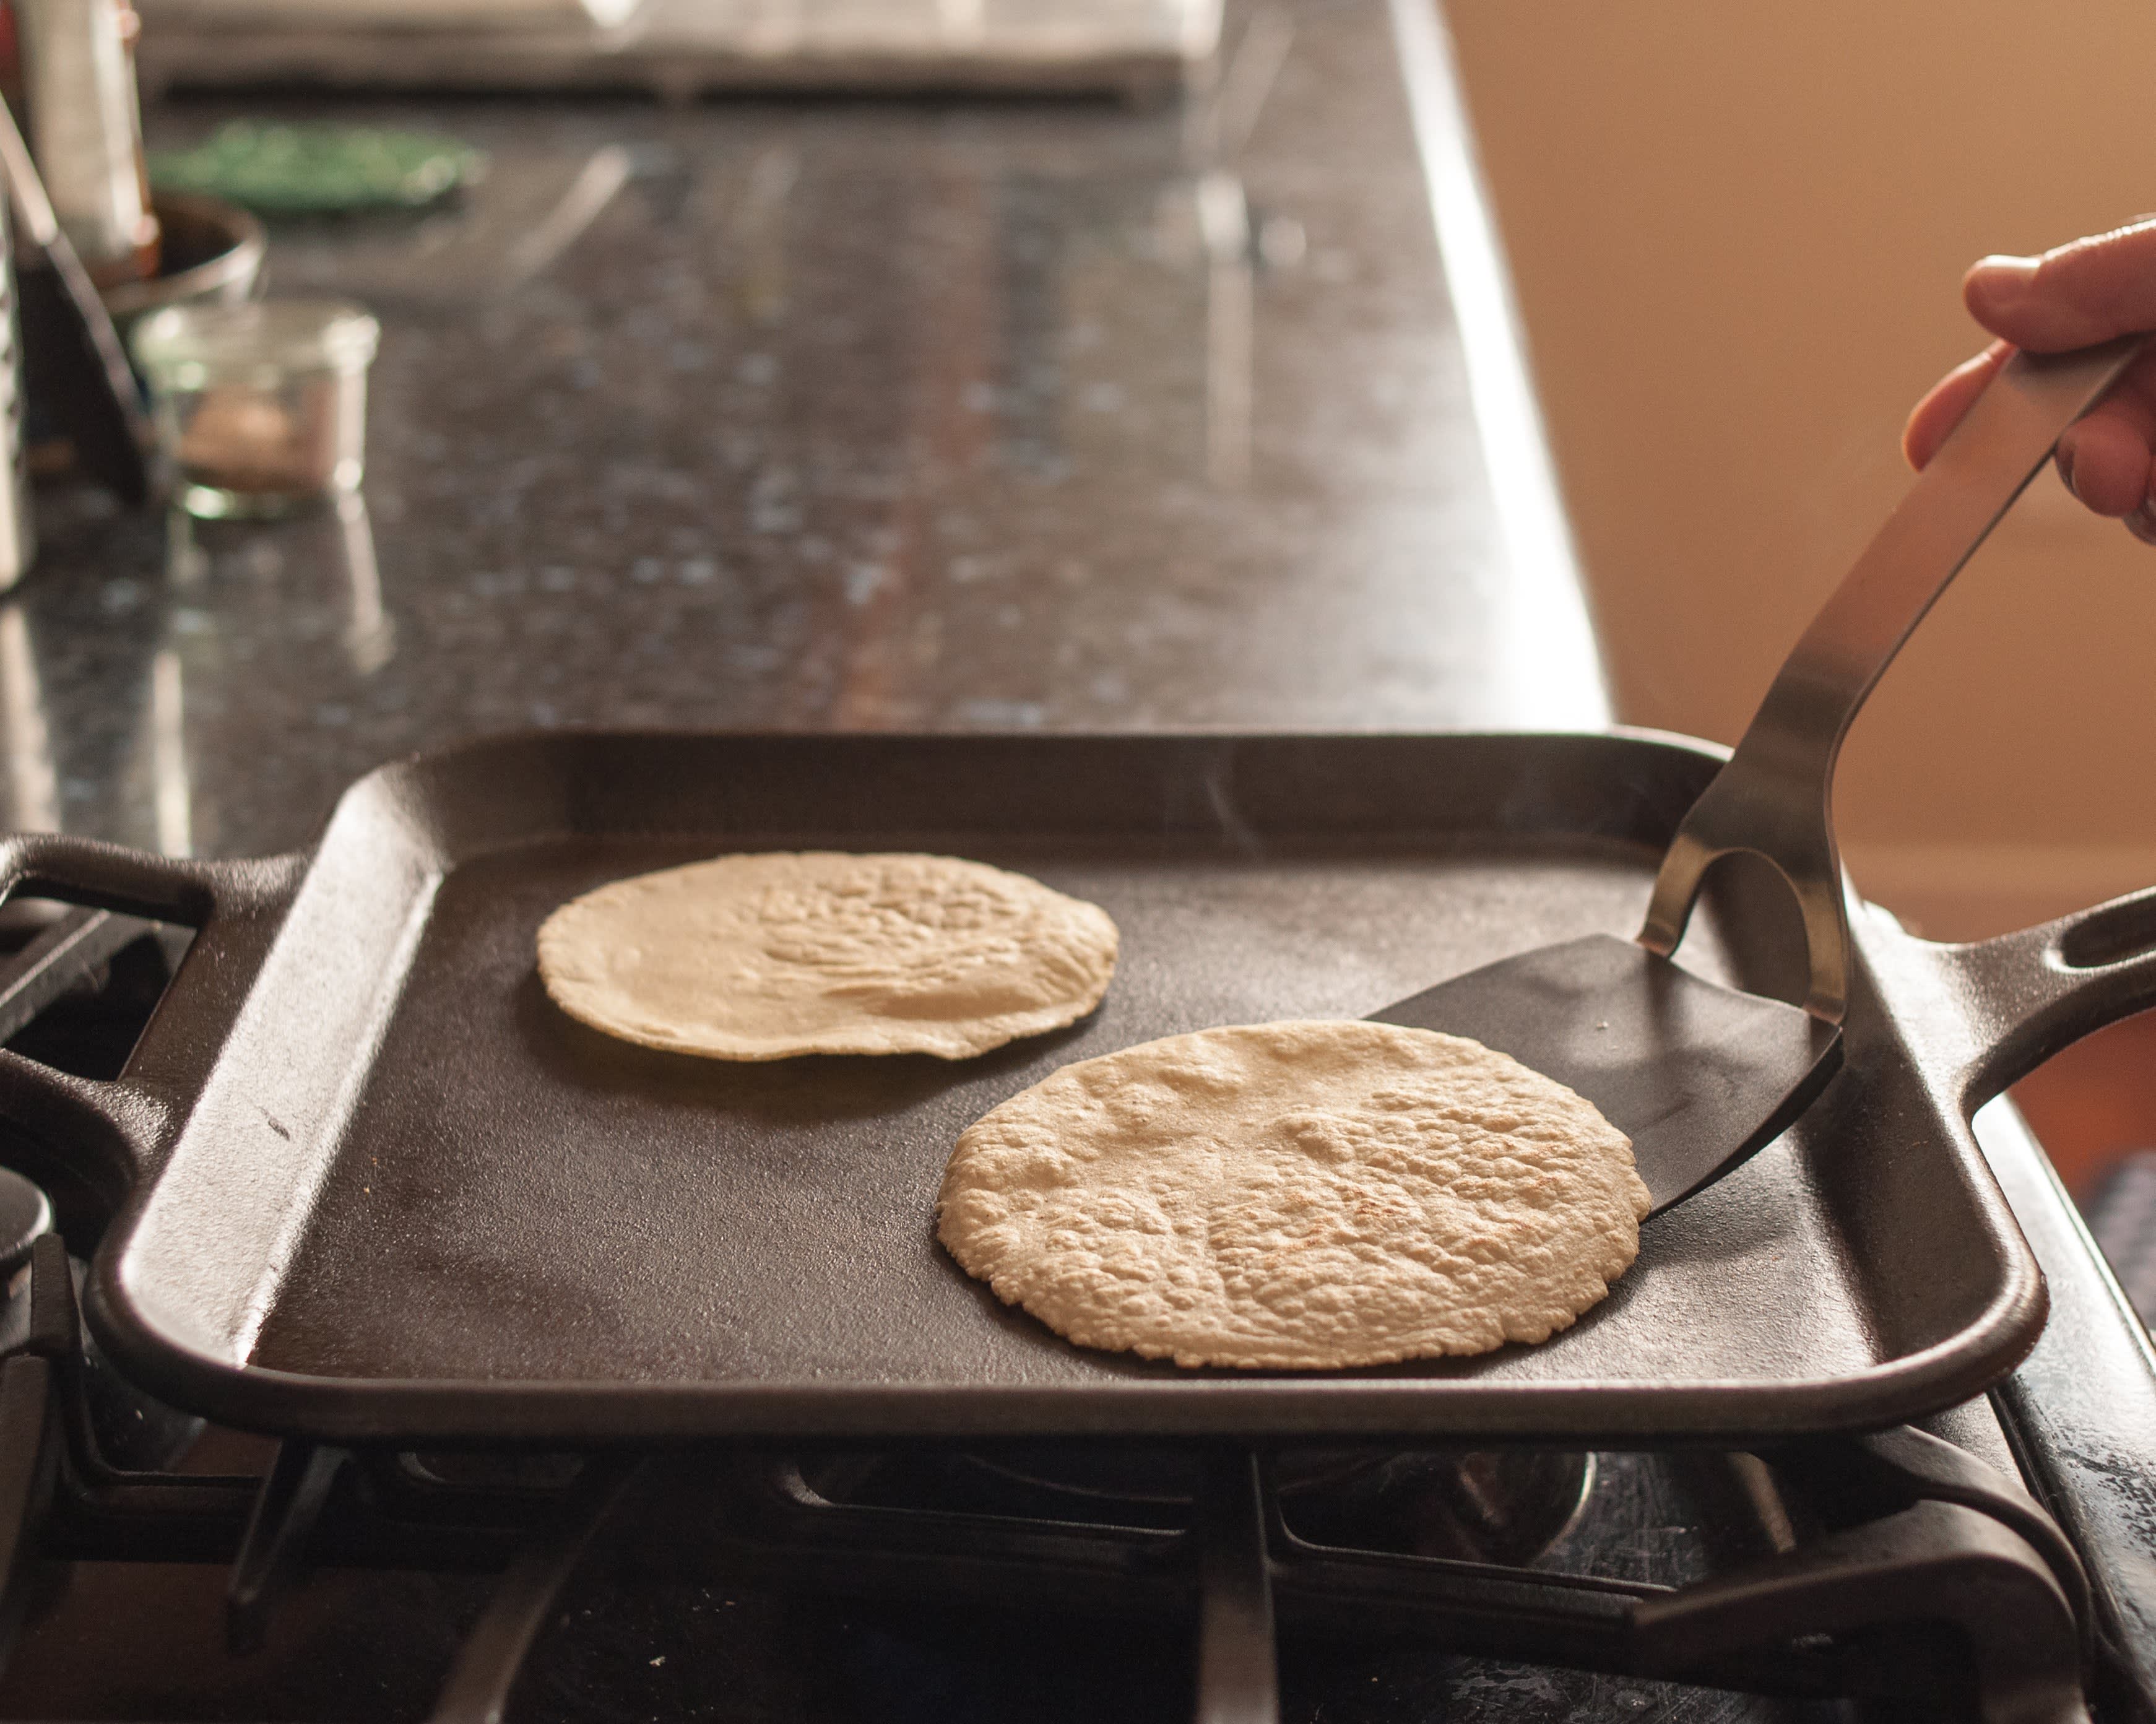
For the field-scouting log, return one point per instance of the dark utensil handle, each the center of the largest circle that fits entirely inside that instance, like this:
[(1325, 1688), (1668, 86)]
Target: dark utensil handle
[(2028, 995), (232, 906), (72, 356)]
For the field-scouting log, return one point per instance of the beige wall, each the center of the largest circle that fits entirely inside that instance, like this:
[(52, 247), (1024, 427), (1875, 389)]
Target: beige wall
[(1736, 233)]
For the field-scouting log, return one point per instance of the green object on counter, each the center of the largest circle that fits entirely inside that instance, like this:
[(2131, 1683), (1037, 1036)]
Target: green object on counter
[(278, 169)]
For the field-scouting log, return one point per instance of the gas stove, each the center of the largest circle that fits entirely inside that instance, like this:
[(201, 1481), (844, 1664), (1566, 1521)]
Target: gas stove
[(156, 1567)]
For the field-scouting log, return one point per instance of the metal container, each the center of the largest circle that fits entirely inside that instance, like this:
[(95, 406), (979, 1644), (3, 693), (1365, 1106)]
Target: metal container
[(211, 254), (19, 545), (85, 126)]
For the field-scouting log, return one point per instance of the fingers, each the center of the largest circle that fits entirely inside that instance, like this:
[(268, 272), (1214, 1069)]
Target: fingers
[(1941, 409), (2107, 458), (2070, 296), (2085, 291)]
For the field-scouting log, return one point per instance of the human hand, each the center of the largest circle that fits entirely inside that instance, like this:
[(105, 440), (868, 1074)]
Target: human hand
[(2072, 296)]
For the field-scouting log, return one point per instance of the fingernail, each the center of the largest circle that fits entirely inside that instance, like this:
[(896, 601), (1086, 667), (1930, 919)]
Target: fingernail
[(2001, 284)]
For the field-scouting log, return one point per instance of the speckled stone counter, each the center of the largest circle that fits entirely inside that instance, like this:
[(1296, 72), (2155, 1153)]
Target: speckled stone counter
[(885, 415)]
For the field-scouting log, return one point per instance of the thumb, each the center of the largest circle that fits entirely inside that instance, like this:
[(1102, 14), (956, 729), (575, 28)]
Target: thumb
[(2085, 291)]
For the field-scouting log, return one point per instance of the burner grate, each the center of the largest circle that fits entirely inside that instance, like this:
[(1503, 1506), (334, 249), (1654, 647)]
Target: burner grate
[(1924, 1583)]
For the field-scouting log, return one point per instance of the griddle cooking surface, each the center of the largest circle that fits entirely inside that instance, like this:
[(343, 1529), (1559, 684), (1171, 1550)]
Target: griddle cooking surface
[(522, 1197)]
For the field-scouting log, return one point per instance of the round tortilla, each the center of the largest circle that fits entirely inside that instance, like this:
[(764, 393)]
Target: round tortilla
[(765, 956), (1296, 1196)]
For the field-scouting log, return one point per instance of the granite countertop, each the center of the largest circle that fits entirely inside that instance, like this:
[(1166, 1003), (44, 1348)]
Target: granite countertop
[(893, 415)]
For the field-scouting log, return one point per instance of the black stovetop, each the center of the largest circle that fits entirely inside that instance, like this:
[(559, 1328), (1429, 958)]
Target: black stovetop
[(157, 1568)]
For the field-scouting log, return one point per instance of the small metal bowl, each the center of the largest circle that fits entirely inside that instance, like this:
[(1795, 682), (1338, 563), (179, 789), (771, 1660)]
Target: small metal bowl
[(212, 254)]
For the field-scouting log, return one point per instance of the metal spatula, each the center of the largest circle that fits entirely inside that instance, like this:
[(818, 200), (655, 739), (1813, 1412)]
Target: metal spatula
[(1699, 1076)]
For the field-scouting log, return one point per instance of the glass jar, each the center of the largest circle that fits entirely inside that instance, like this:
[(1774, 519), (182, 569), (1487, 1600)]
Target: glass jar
[(261, 407)]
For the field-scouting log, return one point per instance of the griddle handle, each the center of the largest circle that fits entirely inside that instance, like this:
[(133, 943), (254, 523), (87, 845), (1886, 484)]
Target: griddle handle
[(2024, 997), (118, 1129)]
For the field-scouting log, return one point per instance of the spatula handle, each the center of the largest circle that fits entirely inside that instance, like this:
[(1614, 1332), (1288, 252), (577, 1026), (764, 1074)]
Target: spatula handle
[(1773, 798)]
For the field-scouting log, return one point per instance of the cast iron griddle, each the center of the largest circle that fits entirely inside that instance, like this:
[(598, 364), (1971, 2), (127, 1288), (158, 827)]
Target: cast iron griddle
[(377, 1186)]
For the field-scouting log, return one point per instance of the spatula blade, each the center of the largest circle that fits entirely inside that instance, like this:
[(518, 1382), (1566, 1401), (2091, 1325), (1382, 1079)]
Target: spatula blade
[(1697, 1075)]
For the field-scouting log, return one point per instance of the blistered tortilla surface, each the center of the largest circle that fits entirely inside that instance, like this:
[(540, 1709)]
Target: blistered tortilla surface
[(1298, 1195), (764, 957)]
